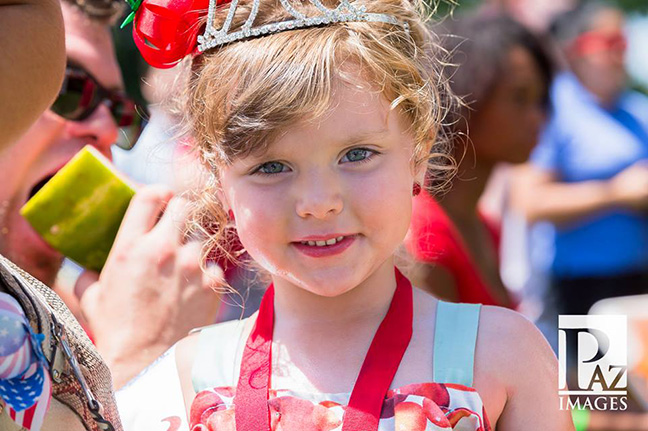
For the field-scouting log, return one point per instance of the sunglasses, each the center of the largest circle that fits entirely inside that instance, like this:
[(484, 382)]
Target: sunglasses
[(593, 42), (81, 95)]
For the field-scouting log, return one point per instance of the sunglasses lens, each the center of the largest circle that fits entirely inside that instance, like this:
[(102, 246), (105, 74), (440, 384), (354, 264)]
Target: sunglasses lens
[(129, 120), (78, 97)]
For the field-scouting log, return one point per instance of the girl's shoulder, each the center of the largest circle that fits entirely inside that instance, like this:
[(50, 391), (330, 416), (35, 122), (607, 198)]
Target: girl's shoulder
[(507, 345), (215, 348), (503, 331), (512, 357), (500, 331), (506, 351), (517, 358)]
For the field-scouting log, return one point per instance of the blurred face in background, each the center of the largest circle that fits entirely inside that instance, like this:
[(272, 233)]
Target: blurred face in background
[(506, 125), (51, 142), (535, 14), (597, 57)]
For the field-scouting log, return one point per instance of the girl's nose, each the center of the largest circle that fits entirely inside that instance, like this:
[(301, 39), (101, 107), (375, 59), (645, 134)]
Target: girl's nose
[(319, 195)]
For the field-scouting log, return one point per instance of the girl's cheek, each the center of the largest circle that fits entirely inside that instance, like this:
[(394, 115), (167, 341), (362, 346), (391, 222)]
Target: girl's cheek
[(259, 221), (262, 235), (379, 191), (387, 202)]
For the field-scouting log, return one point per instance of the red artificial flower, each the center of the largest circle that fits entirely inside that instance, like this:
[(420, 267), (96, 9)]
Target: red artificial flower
[(166, 31)]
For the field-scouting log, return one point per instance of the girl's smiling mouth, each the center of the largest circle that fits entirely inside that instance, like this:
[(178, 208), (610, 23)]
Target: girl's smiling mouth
[(324, 245)]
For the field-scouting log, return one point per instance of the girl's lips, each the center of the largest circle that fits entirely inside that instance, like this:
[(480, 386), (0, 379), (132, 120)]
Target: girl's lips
[(327, 250)]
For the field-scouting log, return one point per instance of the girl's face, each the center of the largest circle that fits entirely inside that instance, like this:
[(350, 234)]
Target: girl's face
[(345, 178), (506, 126)]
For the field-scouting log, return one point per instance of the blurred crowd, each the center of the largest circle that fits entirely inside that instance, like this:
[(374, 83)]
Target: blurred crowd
[(546, 213)]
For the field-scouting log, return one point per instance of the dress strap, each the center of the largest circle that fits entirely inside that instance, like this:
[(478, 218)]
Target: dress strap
[(455, 337), (215, 364)]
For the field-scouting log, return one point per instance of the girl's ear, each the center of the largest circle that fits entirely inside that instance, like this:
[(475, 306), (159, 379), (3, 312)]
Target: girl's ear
[(220, 194), (420, 171)]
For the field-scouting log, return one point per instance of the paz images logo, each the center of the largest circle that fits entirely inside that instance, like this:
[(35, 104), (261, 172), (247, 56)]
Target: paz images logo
[(593, 352)]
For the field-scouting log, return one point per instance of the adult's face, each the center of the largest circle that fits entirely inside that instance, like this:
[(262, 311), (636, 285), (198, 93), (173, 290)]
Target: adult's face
[(505, 126), (51, 142), (598, 56)]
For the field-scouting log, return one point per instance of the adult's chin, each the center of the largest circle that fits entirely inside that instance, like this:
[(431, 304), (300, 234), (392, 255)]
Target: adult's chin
[(22, 245), (42, 267)]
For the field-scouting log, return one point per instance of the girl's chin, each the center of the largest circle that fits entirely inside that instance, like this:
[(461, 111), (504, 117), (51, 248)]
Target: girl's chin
[(329, 292), (327, 283)]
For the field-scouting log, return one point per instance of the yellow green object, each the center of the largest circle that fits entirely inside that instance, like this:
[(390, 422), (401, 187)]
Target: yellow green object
[(79, 210), (581, 419)]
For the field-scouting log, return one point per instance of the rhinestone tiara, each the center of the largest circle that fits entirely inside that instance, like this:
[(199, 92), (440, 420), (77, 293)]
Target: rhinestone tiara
[(344, 12)]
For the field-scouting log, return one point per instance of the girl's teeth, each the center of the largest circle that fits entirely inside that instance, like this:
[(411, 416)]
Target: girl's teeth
[(324, 243)]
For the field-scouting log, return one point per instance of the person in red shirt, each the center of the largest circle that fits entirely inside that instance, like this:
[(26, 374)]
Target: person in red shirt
[(503, 75)]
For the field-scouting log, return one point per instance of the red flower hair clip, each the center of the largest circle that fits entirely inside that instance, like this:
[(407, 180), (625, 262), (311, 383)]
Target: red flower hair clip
[(166, 31)]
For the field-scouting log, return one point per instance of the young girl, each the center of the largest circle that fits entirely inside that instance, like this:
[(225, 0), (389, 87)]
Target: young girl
[(504, 73), (317, 133)]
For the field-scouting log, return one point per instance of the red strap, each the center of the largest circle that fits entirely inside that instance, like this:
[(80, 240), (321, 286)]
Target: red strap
[(252, 412), (382, 361)]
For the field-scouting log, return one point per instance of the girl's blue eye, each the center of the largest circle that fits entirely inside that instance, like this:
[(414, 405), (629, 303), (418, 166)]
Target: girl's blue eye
[(271, 168), (358, 155)]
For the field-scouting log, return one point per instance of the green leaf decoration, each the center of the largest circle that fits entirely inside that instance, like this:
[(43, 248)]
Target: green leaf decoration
[(134, 5)]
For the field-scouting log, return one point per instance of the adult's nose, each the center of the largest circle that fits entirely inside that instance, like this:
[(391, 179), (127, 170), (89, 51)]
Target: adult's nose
[(100, 127)]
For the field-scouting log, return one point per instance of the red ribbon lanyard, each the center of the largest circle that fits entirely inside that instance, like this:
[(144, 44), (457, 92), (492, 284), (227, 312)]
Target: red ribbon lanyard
[(388, 346)]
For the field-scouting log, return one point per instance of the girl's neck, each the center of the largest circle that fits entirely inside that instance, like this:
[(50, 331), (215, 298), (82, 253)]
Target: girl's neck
[(320, 343), (364, 305)]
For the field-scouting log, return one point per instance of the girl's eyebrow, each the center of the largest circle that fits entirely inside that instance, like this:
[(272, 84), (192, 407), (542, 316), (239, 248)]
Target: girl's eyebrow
[(365, 136), (275, 152)]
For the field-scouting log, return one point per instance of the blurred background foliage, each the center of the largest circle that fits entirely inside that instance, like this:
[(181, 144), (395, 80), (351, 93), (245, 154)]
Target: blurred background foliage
[(633, 5), (445, 6)]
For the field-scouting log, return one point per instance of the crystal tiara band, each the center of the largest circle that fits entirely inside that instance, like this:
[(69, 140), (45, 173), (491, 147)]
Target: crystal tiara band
[(345, 12)]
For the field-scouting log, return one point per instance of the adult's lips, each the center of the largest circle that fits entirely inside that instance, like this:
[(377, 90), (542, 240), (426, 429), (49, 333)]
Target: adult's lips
[(44, 179), (39, 185)]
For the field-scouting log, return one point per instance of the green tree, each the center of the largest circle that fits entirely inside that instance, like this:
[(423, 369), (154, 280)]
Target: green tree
[(444, 6), (633, 5)]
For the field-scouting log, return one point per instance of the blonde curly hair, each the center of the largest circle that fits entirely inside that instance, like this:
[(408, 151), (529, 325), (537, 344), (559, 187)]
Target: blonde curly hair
[(242, 95)]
